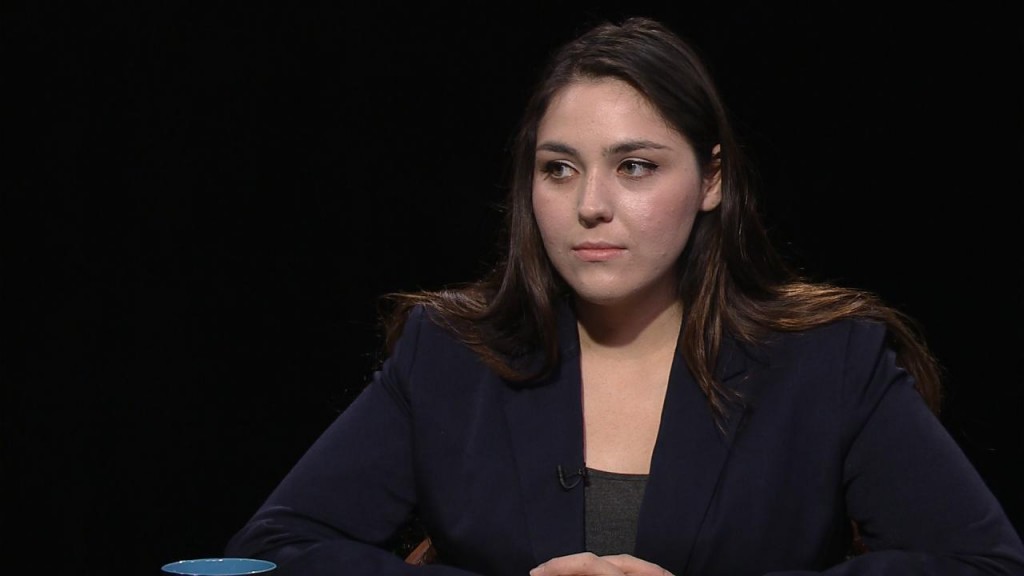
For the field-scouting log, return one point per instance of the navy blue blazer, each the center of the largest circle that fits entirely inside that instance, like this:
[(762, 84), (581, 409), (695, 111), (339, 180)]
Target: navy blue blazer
[(831, 429)]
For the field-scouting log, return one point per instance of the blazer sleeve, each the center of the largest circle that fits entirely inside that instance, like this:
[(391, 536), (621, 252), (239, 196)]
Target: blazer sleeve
[(921, 505), (347, 496)]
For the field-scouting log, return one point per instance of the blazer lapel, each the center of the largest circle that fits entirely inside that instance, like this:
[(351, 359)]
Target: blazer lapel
[(689, 456), (545, 421)]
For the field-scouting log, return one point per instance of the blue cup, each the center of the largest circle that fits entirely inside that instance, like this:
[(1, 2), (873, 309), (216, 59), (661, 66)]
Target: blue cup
[(219, 567)]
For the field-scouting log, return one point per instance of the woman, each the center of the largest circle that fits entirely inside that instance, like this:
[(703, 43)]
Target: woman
[(642, 385)]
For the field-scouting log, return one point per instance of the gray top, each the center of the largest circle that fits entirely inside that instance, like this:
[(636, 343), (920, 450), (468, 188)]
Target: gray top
[(612, 508)]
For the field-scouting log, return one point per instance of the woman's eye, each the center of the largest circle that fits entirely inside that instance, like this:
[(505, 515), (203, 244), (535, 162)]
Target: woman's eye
[(557, 170), (637, 168)]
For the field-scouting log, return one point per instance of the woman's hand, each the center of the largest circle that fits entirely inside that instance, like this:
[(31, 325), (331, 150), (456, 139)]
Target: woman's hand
[(589, 564)]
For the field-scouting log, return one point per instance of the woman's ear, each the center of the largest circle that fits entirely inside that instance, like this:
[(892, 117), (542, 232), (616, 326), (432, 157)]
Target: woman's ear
[(713, 181)]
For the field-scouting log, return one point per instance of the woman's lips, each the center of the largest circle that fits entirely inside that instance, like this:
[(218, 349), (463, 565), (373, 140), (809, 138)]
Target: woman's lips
[(597, 252)]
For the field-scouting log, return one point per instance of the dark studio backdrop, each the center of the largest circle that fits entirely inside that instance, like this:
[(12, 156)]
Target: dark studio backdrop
[(202, 201)]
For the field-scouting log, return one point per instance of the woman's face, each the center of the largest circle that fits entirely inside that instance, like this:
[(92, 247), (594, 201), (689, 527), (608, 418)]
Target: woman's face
[(616, 190)]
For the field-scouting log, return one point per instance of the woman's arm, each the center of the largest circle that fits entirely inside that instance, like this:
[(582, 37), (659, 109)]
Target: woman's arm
[(343, 501), (921, 506)]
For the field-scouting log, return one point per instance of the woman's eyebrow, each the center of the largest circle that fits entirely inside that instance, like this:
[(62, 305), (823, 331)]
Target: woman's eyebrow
[(558, 148), (632, 146), (623, 147)]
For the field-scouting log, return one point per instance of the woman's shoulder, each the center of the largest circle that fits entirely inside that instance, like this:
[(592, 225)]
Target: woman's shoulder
[(423, 324), (842, 367), (850, 329), (428, 336), (853, 337)]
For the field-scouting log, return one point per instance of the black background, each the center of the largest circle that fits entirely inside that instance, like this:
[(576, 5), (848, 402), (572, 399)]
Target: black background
[(201, 201)]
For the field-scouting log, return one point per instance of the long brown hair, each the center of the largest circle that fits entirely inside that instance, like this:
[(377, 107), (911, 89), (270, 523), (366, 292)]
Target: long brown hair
[(732, 280)]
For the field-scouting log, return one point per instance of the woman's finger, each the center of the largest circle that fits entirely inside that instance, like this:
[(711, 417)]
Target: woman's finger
[(581, 564), (633, 566)]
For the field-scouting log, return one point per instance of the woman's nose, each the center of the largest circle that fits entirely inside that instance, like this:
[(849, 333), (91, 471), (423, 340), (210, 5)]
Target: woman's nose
[(594, 206)]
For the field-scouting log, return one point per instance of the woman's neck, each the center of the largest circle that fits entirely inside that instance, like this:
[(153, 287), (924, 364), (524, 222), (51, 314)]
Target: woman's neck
[(630, 330)]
